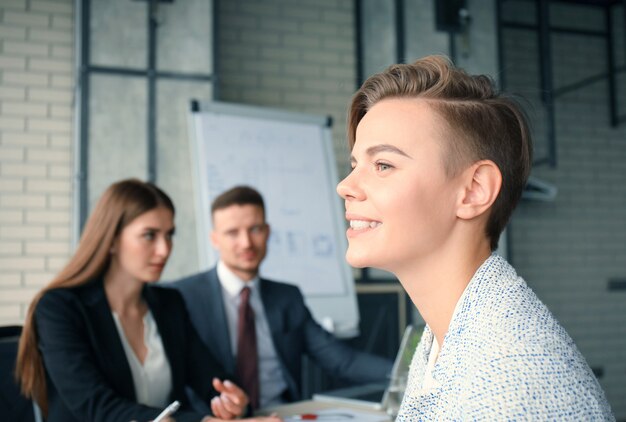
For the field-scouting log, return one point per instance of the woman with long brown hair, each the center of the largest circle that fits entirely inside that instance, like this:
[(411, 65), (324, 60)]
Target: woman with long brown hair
[(101, 342)]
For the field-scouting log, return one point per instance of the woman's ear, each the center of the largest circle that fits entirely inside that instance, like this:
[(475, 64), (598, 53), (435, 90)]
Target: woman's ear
[(482, 186)]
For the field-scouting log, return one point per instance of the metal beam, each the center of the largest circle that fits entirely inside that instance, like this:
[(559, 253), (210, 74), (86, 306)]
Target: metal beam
[(82, 176), (400, 35), (545, 66), (500, 35), (358, 23), (610, 67), (559, 29), (151, 142), (112, 70)]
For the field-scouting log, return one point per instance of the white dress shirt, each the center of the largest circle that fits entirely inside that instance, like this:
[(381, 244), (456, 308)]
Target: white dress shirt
[(153, 379), (271, 379)]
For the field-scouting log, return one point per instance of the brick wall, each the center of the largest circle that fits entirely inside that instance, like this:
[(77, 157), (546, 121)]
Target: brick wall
[(36, 82), (290, 55)]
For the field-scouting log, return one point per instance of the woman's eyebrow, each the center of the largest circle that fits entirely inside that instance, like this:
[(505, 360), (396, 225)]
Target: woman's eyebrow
[(375, 149)]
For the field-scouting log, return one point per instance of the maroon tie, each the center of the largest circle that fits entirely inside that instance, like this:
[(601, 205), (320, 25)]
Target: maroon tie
[(247, 358)]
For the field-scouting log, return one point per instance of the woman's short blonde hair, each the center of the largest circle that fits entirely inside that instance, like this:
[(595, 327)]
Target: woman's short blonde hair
[(482, 123)]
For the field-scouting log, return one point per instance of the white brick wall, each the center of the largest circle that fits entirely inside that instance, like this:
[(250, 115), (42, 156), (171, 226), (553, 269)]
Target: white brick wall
[(290, 55), (36, 81)]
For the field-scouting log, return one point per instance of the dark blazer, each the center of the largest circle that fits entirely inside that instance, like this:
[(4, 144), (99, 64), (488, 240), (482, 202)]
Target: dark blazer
[(294, 332), (88, 375)]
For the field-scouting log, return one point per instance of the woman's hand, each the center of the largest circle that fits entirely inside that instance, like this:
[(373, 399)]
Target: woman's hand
[(231, 402)]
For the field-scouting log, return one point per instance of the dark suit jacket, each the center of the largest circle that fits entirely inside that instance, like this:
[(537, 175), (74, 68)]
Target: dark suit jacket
[(89, 378), (294, 332)]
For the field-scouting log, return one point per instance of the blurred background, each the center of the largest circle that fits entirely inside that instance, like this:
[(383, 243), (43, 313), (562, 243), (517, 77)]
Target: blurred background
[(96, 90)]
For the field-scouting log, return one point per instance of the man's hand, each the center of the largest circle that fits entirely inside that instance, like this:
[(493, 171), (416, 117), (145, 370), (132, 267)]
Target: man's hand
[(231, 402)]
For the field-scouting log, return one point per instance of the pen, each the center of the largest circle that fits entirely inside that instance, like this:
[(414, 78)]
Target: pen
[(169, 410), (321, 417)]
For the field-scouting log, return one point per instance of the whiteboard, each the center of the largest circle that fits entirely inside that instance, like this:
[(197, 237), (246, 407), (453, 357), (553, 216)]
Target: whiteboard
[(288, 157)]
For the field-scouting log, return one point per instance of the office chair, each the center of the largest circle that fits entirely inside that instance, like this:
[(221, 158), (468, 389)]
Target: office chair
[(13, 405)]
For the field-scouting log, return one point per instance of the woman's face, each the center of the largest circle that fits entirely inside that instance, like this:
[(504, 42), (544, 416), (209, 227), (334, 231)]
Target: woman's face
[(143, 247), (398, 199)]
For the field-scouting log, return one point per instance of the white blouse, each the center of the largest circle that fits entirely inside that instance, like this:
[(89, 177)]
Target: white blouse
[(153, 379), (504, 357)]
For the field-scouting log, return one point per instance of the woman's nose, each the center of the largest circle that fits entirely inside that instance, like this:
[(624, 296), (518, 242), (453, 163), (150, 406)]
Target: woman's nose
[(349, 188), (164, 247)]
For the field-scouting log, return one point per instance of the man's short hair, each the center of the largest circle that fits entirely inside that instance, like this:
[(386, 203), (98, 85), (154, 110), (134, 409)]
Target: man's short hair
[(482, 123), (239, 195)]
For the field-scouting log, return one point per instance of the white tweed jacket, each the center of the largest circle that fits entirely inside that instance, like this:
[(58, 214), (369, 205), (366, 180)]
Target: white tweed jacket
[(505, 357)]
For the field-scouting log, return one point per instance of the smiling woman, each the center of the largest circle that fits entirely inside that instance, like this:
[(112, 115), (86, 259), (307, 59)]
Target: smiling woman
[(409, 199), (439, 161), (102, 342)]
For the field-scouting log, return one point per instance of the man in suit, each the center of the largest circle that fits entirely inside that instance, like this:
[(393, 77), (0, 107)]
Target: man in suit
[(284, 329)]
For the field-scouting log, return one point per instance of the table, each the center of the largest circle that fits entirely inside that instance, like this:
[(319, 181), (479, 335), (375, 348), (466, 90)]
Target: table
[(311, 406)]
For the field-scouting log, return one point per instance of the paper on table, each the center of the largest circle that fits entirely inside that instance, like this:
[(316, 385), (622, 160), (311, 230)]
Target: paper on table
[(340, 414)]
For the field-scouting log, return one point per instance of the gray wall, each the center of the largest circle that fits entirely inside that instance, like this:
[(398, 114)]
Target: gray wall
[(292, 55), (118, 104), (568, 249)]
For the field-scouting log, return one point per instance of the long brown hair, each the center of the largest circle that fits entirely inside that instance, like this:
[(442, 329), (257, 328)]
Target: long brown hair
[(483, 123), (120, 204)]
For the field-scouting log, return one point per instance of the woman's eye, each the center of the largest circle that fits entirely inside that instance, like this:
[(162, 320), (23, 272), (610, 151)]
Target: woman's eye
[(148, 236), (382, 166)]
